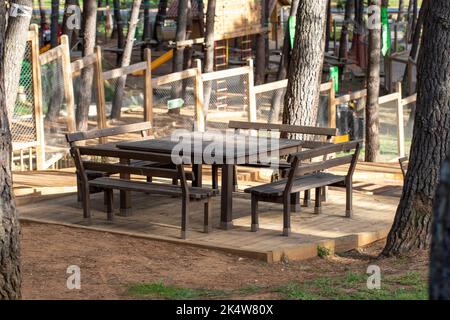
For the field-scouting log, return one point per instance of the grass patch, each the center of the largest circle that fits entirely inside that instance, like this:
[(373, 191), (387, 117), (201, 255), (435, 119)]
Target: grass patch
[(162, 291), (323, 252)]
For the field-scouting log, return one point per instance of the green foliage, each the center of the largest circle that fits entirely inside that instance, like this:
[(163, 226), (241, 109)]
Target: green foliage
[(323, 252), (160, 290)]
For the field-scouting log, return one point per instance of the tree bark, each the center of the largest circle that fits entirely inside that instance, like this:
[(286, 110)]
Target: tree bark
[(54, 23), (119, 30), (15, 44), (209, 48), (284, 67), (305, 70), (10, 269), (431, 136), (260, 62), (328, 27), (178, 58), (43, 22), (160, 17), (440, 241), (373, 88), (126, 59), (87, 74), (343, 43)]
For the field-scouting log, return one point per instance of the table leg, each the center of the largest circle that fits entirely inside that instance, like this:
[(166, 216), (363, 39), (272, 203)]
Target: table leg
[(226, 206), (197, 169), (125, 196)]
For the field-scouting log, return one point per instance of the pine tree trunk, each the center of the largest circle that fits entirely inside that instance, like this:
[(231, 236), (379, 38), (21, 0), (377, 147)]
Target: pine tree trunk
[(261, 48), (126, 59), (10, 269), (440, 241), (178, 58), (284, 67), (54, 23), (209, 48), (305, 70), (43, 21), (119, 30), (15, 44), (343, 43), (87, 74), (431, 137), (328, 27), (358, 32), (373, 88)]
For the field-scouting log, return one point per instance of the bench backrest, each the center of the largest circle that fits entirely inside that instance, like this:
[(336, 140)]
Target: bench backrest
[(329, 133), (142, 127), (300, 168)]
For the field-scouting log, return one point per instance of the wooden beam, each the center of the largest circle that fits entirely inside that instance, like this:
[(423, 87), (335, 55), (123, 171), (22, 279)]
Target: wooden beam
[(68, 83), (252, 115), (199, 99), (176, 76), (123, 71), (100, 86), (148, 89), (80, 64), (226, 73)]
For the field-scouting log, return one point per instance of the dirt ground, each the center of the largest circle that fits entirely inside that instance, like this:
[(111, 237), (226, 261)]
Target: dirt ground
[(111, 264)]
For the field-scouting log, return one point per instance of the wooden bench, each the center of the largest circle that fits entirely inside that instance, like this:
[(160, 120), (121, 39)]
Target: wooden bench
[(108, 184), (102, 134), (322, 137), (309, 177)]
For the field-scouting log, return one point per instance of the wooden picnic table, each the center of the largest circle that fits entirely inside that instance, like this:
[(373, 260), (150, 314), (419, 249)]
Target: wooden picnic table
[(244, 150)]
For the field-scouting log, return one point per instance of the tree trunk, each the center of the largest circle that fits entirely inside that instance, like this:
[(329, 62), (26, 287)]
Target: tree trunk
[(343, 43), (201, 17), (358, 33), (178, 58), (10, 269), (43, 22), (261, 48), (54, 23), (66, 28), (209, 48), (440, 241), (15, 44), (431, 137), (305, 70), (414, 19), (284, 67), (87, 74), (373, 87), (146, 35), (328, 27), (160, 17), (126, 59), (119, 30)]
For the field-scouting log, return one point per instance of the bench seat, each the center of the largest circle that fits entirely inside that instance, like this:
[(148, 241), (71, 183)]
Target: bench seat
[(151, 187), (312, 181)]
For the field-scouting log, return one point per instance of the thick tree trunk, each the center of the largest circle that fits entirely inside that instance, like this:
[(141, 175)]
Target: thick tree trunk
[(343, 43), (126, 59), (440, 239), (373, 87), (10, 269), (119, 30), (431, 137), (160, 17), (87, 74), (284, 67), (15, 44), (54, 23), (305, 70), (178, 58), (414, 19), (209, 48), (358, 32), (260, 62)]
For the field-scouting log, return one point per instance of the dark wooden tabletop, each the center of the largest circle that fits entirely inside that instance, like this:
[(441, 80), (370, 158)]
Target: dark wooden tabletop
[(241, 145)]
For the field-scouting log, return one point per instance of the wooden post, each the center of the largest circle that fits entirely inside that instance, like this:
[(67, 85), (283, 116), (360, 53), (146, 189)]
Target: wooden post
[(400, 122), (68, 83), (332, 107), (251, 93), (37, 93), (199, 99), (410, 67), (148, 89), (100, 84)]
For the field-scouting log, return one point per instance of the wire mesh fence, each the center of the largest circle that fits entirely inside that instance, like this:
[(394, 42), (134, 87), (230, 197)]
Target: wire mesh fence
[(174, 106), (22, 116), (226, 99)]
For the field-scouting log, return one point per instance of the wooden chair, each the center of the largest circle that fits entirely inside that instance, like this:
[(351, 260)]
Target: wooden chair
[(324, 135), (303, 178), (74, 138), (108, 184)]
